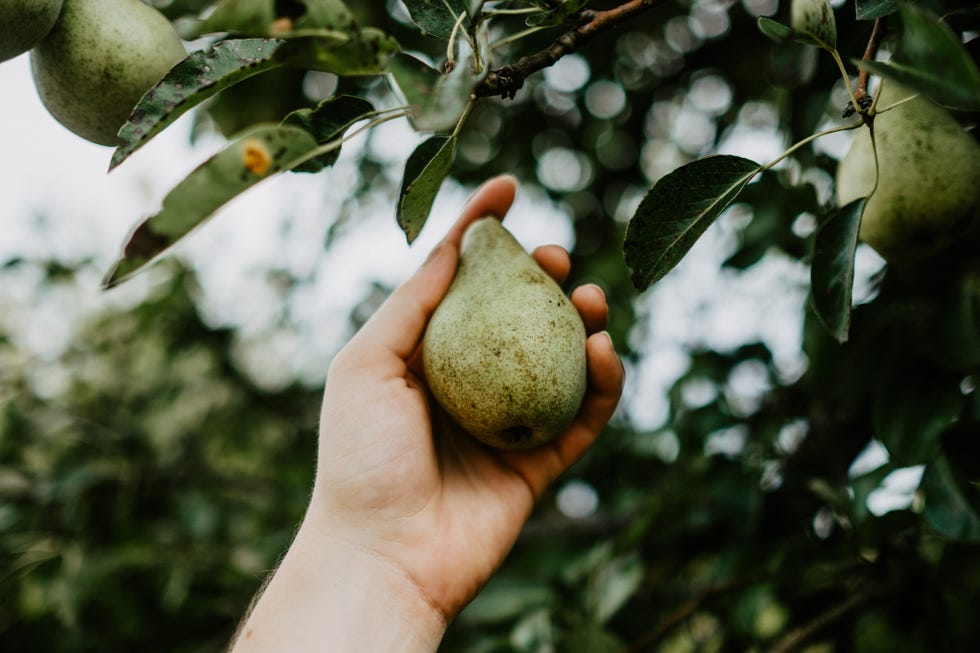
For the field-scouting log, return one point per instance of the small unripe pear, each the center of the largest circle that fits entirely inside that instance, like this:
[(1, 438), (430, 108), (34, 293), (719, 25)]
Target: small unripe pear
[(928, 194), (99, 59), (23, 23), (504, 353), (815, 19)]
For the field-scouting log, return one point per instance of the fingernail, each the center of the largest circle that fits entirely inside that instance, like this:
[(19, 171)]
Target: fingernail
[(608, 338), (599, 288), (479, 188), (622, 365)]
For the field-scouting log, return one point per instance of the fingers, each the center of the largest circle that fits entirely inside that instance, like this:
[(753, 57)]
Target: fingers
[(394, 331), (397, 327), (540, 467), (494, 198), (591, 304), (606, 377), (553, 260)]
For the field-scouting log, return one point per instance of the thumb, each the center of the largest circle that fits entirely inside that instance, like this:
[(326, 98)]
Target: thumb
[(393, 333)]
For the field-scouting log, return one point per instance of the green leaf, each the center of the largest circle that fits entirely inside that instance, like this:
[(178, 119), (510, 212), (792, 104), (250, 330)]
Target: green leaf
[(505, 599), (912, 407), (952, 503), (957, 328), (780, 33), (677, 210), (256, 155), (832, 268), (871, 9), (326, 122), (424, 172), (931, 59), (198, 77), (363, 52), (774, 29), (613, 584), (861, 488), (414, 79), (250, 17), (590, 638), (555, 14), (436, 17), (326, 15), (442, 109)]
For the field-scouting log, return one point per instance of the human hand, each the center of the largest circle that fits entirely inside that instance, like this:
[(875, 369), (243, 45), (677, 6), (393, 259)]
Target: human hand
[(409, 503)]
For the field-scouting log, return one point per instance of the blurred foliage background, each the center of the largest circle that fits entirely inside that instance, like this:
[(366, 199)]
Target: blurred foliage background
[(762, 487)]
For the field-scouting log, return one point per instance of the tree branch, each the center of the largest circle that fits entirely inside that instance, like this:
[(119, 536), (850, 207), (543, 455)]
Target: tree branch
[(861, 93), (506, 81), (696, 603), (877, 32), (797, 637)]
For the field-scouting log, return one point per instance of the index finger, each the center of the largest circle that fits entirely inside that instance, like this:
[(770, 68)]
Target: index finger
[(494, 198)]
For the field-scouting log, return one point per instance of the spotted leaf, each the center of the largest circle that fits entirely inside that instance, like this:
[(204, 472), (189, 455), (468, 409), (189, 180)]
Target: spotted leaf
[(257, 155), (198, 77)]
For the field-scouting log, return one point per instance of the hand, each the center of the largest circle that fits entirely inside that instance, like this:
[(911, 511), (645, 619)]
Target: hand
[(405, 505)]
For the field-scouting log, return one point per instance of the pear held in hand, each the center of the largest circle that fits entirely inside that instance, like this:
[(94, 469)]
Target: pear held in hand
[(23, 23), (504, 353), (98, 61), (928, 194)]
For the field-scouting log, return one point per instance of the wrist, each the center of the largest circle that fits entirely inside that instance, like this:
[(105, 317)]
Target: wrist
[(328, 594)]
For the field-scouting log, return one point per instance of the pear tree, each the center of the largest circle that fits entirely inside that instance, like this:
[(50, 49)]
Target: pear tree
[(835, 139)]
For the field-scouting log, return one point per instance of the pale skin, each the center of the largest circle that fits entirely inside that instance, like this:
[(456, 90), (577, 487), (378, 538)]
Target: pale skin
[(409, 517)]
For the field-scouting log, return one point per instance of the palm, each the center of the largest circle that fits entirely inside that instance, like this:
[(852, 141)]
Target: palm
[(398, 479), (433, 499)]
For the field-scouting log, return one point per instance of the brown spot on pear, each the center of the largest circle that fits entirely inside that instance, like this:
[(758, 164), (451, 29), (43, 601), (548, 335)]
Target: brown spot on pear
[(504, 352), (99, 59), (928, 194)]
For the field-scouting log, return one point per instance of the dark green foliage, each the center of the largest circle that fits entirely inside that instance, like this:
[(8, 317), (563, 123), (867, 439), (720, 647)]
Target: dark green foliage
[(142, 504)]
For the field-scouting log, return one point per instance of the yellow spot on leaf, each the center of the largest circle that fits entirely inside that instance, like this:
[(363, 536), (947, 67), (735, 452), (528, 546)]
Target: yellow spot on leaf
[(281, 26), (256, 157)]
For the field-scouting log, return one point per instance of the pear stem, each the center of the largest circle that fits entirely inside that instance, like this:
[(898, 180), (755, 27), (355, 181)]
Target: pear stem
[(847, 79), (451, 46), (462, 118), (385, 115), (809, 139)]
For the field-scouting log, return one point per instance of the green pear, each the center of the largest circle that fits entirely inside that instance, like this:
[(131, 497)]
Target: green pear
[(98, 61), (814, 21), (928, 194), (504, 352), (23, 23)]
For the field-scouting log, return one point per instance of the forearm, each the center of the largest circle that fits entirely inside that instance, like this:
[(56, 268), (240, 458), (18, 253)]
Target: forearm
[(328, 596)]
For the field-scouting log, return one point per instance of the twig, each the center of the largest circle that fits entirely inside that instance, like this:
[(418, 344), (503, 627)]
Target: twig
[(861, 92), (796, 637), (877, 32), (682, 613), (506, 81)]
